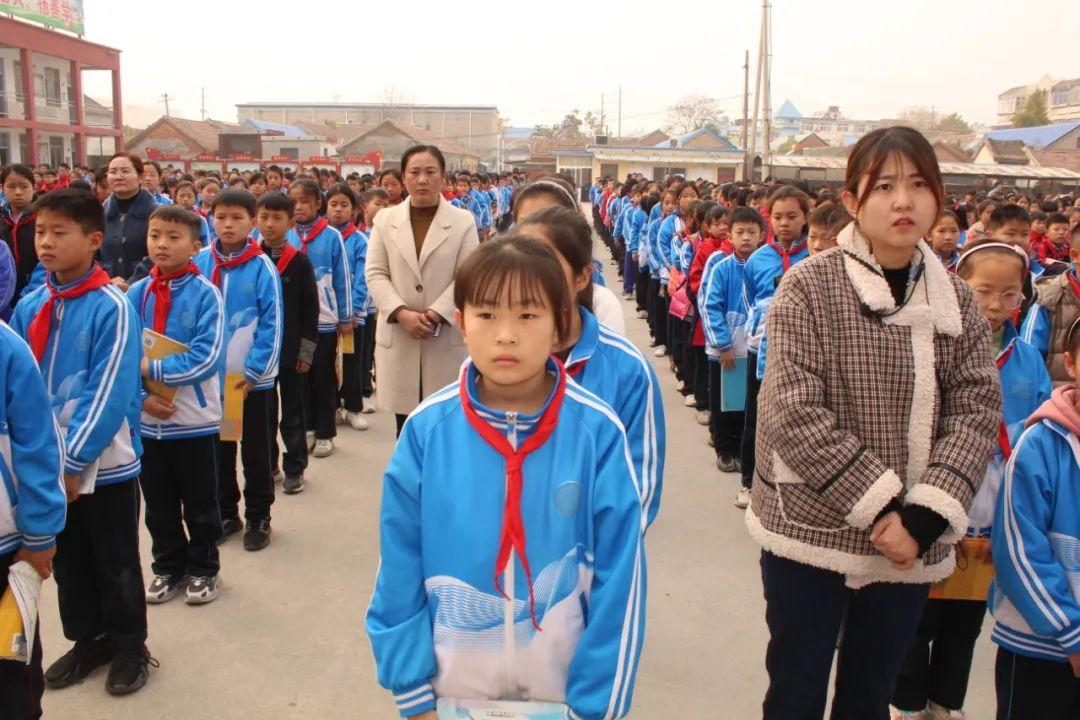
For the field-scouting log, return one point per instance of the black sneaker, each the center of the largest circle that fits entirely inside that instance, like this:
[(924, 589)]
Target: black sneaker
[(726, 463), (293, 484), (258, 534), (75, 665), (129, 672), (229, 527)]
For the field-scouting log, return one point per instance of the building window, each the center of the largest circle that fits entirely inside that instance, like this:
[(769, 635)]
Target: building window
[(5, 148), (1059, 98), (52, 86)]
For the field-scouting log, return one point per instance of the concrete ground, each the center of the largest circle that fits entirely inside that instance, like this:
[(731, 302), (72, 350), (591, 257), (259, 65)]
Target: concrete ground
[(285, 639)]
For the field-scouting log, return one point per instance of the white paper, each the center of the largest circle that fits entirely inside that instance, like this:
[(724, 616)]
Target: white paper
[(25, 584)]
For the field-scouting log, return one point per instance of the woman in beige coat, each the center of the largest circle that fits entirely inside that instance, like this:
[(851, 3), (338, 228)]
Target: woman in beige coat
[(414, 250)]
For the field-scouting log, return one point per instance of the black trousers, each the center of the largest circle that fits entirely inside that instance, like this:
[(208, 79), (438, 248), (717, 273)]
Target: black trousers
[(21, 685), (99, 578), (321, 394), (726, 427), (255, 447), (1032, 689), (660, 315), (350, 393), (952, 626), (700, 375), (804, 609), (288, 401), (400, 419), (367, 354), (749, 437), (179, 483), (641, 290), (652, 290)]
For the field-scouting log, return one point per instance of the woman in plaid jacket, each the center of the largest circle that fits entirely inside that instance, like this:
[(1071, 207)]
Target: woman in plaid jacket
[(878, 413)]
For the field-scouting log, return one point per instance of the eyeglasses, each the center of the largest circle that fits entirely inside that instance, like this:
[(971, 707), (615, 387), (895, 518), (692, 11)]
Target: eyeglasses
[(1010, 299)]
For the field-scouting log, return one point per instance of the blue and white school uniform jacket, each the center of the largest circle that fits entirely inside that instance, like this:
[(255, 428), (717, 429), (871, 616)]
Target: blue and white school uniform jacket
[(91, 371), (161, 198), (333, 275), (636, 220), (437, 623), (251, 299), (484, 207), (356, 245), (1025, 385), (763, 272), (669, 244), (195, 319), (609, 365), (723, 304), (33, 505), (1035, 598), (652, 231)]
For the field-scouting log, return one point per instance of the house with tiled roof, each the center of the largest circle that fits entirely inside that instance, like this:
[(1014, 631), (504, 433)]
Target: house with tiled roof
[(698, 154), (186, 138), (393, 137)]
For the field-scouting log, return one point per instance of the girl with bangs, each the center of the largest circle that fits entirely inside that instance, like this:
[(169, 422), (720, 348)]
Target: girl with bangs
[(879, 410), (512, 450)]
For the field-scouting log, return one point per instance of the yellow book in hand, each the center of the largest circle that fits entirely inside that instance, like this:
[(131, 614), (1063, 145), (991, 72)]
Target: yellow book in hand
[(973, 575), (232, 411), (348, 346), (158, 347)]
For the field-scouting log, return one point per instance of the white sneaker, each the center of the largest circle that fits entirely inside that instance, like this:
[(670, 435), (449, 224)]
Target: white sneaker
[(310, 440), (339, 416), (202, 590), (323, 448), (642, 315), (356, 421), (369, 406), (742, 500), (679, 384), (690, 401), (660, 351), (703, 417), (163, 588)]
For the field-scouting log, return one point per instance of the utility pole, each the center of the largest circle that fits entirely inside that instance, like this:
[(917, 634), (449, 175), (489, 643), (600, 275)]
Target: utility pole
[(757, 96), (620, 111), (165, 98), (745, 101), (202, 108), (766, 17)]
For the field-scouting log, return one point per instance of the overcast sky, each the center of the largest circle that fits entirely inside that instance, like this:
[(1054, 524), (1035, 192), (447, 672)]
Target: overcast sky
[(538, 60)]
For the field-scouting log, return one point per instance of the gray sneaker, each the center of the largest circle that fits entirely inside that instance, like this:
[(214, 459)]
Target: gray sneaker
[(202, 590), (162, 589), (293, 484)]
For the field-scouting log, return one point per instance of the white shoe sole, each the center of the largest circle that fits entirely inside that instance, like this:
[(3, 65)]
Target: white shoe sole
[(322, 452)]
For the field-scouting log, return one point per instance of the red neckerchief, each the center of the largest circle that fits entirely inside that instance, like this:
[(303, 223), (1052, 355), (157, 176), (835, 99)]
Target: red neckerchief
[(252, 250), (1074, 284), (348, 230), (25, 219), (41, 325), (288, 252), (512, 536), (785, 255), (577, 368), (725, 246), (1003, 432), (162, 292), (320, 225), (362, 227)]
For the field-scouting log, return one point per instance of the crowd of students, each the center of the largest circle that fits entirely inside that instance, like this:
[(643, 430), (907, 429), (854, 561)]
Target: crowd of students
[(879, 408)]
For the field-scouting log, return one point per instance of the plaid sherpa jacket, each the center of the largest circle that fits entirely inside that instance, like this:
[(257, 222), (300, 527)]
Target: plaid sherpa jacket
[(863, 403)]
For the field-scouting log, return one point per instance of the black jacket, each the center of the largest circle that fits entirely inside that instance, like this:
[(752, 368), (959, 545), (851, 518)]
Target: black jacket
[(299, 310), (21, 248), (123, 251)]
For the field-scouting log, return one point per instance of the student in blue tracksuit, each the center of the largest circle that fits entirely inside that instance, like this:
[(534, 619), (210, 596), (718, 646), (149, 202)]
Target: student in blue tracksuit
[(179, 478), (324, 247), (341, 207), (184, 194), (1036, 533), (32, 499), (632, 221), (669, 236), (639, 220), (600, 359), (514, 449), (464, 200), (937, 682), (724, 308), (658, 300), (482, 204), (251, 296), (85, 337), (789, 209)]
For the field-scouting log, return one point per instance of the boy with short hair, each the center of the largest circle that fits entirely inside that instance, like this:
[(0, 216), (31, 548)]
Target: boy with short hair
[(1055, 248), (84, 335), (299, 336), (251, 293), (180, 433), (275, 180)]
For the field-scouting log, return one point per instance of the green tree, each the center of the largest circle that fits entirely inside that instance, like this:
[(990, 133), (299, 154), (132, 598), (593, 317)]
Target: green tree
[(954, 123), (786, 147), (1033, 112)]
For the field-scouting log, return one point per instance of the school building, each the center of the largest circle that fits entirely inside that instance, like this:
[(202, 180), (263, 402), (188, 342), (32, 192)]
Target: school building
[(44, 115), (393, 137), (1062, 100), (477, 127), (700, 154)]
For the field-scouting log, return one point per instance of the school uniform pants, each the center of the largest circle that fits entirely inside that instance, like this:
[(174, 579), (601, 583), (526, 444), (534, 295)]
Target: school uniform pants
[(321, 394), (660, 314), (749, 436), (21, 686), (1034, 689), (941, 675), (255, 448), (641, 289), (726, 427), (681, 330), (99, 580), (629, 273), (367, 355), (179, 483), (288, 402), (700, 376), (350, 393), (651, 292), (804, 609)]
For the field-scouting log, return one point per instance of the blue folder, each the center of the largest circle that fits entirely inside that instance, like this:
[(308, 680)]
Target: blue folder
[(733, 387)]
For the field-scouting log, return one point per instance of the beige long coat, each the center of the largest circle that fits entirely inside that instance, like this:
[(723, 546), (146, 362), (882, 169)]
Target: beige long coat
[(406, 369)]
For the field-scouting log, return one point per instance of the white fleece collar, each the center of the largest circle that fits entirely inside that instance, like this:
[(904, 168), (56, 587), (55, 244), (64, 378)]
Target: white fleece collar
[(932, 289)]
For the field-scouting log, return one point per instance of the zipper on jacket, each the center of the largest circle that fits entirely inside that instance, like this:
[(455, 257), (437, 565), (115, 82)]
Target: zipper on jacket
[(509, 682)]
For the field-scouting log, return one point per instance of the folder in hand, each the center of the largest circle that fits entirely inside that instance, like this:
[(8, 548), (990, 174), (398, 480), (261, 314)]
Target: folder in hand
[(158, 347), (232, 410), (19, 613)]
